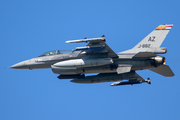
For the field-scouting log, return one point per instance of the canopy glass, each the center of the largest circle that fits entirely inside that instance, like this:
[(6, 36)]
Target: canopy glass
[(56, 52)]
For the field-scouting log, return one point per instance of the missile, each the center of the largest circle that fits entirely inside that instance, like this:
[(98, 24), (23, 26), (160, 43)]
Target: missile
[(131, 82), (87, 40), (126, 83)]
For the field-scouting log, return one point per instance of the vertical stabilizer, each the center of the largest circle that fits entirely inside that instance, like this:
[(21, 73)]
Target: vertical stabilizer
[(153, 41), (155, 38)]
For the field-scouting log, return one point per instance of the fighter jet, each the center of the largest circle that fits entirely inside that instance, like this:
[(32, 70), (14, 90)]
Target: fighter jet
[(98, 57)]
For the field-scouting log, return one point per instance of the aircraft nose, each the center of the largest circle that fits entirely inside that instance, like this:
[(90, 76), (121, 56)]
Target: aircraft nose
[(20, 65)]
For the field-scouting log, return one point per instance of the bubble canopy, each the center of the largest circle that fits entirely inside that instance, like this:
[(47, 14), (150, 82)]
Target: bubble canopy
[(56, 52)]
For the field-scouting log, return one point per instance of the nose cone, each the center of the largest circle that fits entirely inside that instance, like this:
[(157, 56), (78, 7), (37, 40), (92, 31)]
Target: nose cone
[(20, 65)]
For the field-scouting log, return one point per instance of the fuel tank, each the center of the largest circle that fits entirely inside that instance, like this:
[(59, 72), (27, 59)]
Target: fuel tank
[(83, 70), (84, 62)]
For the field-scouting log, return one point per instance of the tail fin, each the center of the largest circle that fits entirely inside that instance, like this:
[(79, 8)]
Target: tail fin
[(155, 38), (153, 41)]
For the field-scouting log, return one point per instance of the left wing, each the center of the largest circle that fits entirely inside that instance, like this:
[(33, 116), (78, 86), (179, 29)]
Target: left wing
[(132, 77), (95, 46)]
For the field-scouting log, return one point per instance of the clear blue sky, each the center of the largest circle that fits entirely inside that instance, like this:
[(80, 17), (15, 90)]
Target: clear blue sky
[(31, 27)]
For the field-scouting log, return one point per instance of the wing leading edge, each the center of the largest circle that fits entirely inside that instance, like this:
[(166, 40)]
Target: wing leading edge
[(95, 46)]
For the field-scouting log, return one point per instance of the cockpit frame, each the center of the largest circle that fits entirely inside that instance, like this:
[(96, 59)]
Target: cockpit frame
[(56, 52)]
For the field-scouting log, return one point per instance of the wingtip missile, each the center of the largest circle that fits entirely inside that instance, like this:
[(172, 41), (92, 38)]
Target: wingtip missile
[(87, 40)]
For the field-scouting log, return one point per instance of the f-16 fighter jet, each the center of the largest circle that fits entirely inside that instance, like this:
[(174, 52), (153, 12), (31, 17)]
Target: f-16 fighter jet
[(98, 57)]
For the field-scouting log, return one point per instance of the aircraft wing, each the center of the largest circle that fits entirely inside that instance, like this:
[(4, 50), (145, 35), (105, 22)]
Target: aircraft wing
[(138, 77), (132, 77), (110, 52), (94, 46)]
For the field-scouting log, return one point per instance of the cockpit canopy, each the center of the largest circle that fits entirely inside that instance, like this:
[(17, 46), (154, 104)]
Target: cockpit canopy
[(56, 52)]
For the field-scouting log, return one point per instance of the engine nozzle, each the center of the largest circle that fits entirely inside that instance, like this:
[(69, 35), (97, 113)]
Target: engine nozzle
[(158, 61)]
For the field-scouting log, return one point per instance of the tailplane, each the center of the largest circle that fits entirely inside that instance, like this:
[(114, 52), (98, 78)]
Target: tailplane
[(164, 70)]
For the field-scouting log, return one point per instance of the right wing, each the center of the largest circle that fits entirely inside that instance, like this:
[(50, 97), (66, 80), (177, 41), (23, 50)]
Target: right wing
[(132, 77), (95, 46)]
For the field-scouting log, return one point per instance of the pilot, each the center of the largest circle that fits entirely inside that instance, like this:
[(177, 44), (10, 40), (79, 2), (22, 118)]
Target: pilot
[(58, 52), (50, 53)]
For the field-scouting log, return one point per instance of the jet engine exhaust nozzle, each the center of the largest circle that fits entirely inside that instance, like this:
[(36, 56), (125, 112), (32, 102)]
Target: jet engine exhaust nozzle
[(158, 61)]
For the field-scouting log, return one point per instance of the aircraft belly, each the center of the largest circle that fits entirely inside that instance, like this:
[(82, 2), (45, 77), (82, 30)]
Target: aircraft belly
[(133, 65)]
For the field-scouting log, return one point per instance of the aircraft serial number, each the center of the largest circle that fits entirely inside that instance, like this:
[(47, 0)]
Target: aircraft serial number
[(144, 46)]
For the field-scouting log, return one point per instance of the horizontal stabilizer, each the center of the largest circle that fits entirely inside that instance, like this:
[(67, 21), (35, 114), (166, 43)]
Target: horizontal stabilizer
[(164, 70), (145, 54)]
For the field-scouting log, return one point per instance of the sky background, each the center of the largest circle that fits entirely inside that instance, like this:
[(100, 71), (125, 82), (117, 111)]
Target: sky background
[(31, 27)]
